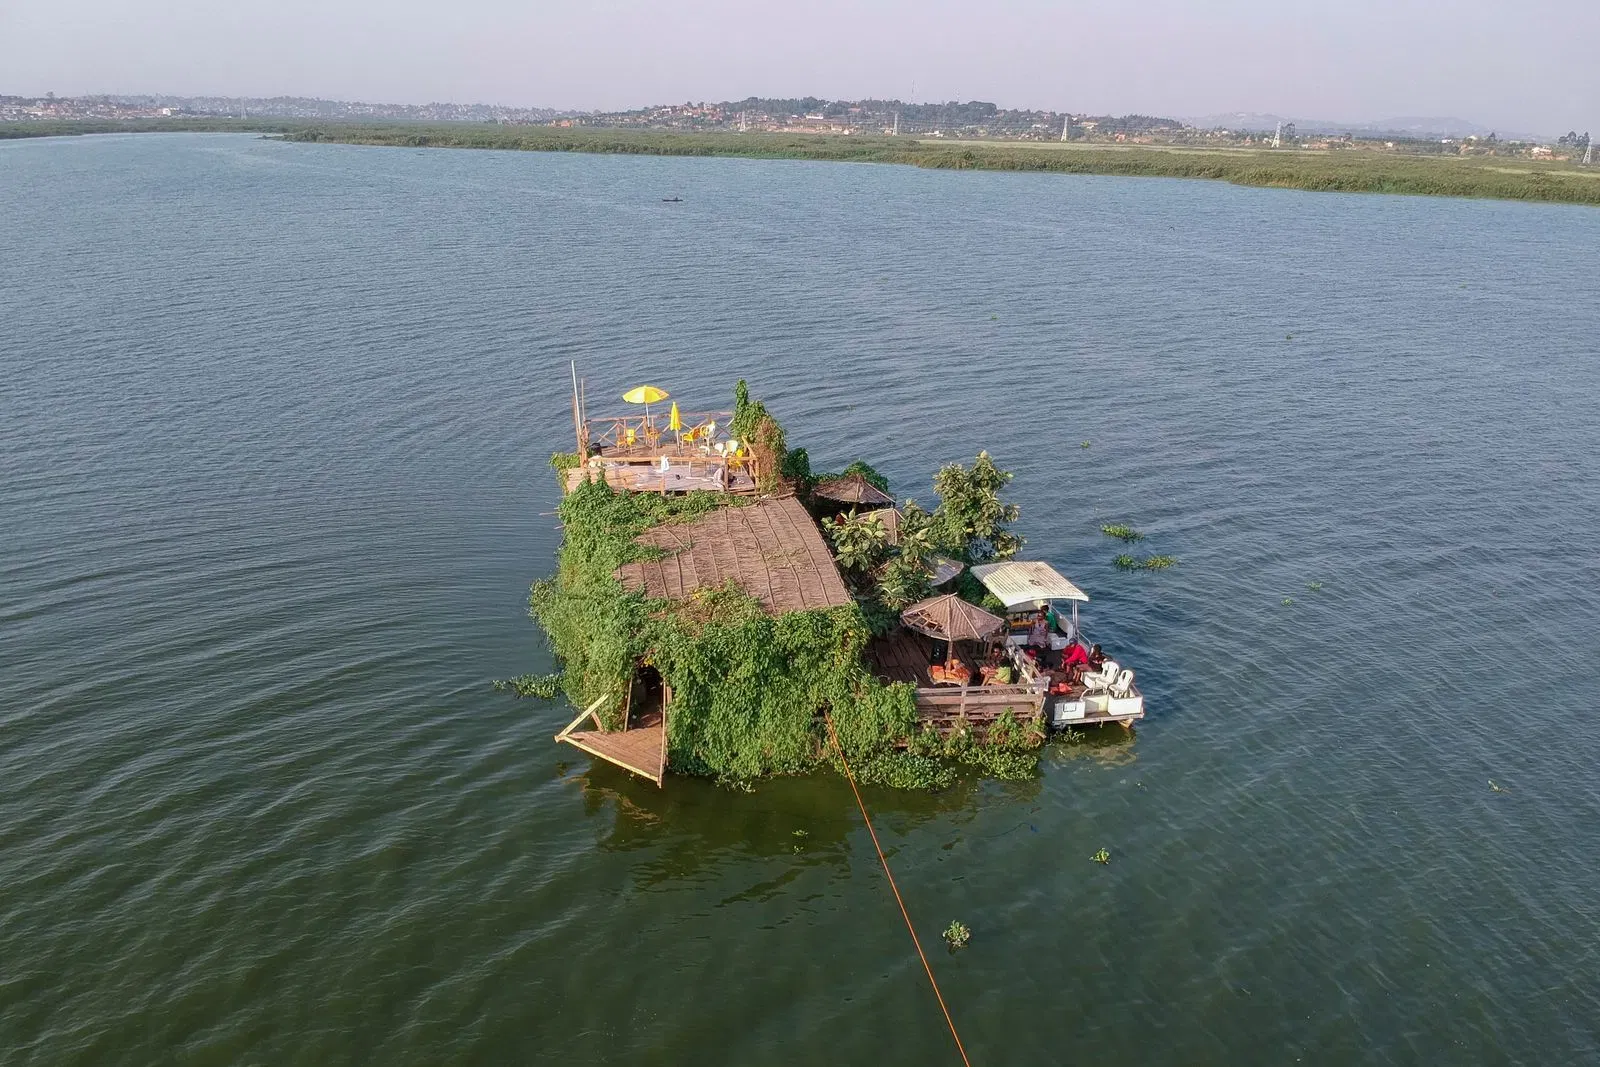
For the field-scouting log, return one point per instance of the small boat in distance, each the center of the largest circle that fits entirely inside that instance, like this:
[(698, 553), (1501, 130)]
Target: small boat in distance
[(672, 199)]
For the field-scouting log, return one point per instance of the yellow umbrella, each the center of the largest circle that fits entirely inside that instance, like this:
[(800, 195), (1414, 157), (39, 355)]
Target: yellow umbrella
[(646, 395), (674, 422)]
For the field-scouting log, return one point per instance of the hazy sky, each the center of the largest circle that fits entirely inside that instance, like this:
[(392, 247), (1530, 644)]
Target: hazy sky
[(1530, 65)]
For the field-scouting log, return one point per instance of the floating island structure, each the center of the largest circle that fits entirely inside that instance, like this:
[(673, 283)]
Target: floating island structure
[(716, 599)]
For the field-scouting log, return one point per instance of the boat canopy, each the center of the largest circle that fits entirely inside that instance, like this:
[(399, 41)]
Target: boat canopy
[(1018, 582)]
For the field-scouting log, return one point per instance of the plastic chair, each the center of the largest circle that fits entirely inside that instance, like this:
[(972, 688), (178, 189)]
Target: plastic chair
[(1101, 679)]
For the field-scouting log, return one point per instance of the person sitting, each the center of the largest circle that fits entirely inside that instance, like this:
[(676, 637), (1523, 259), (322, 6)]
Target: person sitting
[(1075, 661)]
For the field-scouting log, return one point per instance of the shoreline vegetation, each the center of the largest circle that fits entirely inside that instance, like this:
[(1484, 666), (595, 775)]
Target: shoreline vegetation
[(1346, 171)]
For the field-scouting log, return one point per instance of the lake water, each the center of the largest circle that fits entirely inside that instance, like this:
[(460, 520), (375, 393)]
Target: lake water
[(273, 486)]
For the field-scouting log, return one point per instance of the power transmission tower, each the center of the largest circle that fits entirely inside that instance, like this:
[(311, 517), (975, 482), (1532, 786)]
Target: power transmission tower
[(1066, 128), (744, 121), (1588, 153), (896, 132), (1277, 136)]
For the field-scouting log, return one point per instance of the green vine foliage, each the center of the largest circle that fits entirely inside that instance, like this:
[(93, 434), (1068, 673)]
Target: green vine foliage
[(754, 425), (747, 687)]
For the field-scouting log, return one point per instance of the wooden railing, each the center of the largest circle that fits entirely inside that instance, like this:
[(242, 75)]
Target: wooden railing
[(978, 704), (623, 433)]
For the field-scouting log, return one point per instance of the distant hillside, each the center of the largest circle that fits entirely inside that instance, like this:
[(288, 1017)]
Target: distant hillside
[(304, 107), (162, 105)]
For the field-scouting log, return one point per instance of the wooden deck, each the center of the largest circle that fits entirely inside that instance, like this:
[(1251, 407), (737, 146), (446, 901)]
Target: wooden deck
[(770, 549), (904, 656), (640, 750), (684, 476)]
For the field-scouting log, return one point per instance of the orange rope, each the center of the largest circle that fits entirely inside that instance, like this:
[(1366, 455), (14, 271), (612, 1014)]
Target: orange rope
[(898, 900)]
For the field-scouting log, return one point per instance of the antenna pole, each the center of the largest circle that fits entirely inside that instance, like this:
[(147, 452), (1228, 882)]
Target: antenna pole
[(577, 411)]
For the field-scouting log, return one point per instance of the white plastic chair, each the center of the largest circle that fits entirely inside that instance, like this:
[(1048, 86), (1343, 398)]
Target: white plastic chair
[(1122, 685), (1102, 678)]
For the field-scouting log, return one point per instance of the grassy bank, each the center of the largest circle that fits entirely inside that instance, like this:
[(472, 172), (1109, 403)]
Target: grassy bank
[(1343, 170), (10, 131), (1347, 171)]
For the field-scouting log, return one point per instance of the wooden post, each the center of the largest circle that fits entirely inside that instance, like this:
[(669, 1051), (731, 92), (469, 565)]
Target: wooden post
[(583, 417), (577, 413), (666, 702)]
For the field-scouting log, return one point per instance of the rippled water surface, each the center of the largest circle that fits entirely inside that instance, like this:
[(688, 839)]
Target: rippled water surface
[(273, 487)]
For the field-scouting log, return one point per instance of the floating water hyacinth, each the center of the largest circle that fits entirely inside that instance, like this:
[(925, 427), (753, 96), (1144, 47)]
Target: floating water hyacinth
[(1103, 856), (544, 686), (957, 934), (1121, 531)]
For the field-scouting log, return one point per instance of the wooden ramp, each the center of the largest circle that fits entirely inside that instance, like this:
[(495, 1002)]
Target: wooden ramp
[(642, 750)]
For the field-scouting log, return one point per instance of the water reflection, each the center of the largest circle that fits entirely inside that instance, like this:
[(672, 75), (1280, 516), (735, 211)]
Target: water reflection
[(694, 827)]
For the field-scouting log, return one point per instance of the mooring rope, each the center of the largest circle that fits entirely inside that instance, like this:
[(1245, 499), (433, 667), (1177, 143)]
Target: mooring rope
[(915, 940)]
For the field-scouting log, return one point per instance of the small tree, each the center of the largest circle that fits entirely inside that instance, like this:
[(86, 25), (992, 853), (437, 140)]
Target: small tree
[(971, 519), (860, 543)]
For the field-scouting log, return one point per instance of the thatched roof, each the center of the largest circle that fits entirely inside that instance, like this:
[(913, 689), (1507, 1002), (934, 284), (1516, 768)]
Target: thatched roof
[(852, 489), (950, 618), (771, 549), (889, 519)]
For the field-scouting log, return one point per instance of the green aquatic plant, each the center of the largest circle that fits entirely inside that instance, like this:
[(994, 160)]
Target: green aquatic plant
[(1103, 856), (1121, 531), (543, 686), (1497, 788), (956, 935), (1314, 586), (906, 770), (1085, 444), (1148, 563), (1288, 600)]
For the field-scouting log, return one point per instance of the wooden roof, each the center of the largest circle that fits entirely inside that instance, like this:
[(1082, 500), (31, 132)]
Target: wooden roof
[(771, 549), (951, 618), (852, 489)]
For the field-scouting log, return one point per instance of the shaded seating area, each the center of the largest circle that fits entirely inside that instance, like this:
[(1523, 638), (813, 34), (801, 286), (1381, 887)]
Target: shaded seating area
[(950, 619)]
